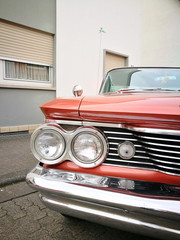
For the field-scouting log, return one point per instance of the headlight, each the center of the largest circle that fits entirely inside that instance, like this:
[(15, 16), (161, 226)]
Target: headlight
[(48, 144), (88, 148)]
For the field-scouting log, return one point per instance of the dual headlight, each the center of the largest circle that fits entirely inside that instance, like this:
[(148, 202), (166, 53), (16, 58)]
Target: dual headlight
[(85, 146)]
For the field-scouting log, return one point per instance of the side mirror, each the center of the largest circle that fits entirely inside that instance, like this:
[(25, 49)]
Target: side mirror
[(77, 90)]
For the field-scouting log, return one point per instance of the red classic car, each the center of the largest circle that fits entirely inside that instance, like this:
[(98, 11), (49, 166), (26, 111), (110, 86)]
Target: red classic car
[(114, 158)]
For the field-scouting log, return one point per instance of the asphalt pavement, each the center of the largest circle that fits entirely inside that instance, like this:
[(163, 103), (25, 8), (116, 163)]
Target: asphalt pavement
[(16, 158)]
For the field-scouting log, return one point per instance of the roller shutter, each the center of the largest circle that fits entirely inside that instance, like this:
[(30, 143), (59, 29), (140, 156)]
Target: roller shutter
[(25, 44)]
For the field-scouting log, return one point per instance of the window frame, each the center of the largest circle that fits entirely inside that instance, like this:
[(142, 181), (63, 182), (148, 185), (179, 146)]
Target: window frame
[(25, 83)]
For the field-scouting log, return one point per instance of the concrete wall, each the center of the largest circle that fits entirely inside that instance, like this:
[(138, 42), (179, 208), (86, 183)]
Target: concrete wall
[(39, 14), (161, 33), (145, 30), (20, 107), (80, 45)]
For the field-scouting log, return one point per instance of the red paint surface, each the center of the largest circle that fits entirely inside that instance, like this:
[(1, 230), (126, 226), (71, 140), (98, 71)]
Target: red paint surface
[(139, 110), (121, 172), (62, 108)]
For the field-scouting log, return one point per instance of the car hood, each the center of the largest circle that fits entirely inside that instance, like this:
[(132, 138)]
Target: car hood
[(142, 110), (134, 109)]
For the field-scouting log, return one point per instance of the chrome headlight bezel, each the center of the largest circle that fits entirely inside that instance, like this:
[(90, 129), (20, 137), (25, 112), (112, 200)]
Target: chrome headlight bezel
[(51, 129), (68, 139), (96, 134)]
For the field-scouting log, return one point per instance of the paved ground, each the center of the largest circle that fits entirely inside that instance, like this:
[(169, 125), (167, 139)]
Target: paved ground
[(16, 158), (23, 216)]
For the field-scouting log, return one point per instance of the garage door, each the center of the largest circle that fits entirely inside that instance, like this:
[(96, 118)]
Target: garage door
[(113, 60)]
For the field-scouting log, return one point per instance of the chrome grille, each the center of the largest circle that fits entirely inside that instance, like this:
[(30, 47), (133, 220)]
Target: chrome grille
[(156, 151)]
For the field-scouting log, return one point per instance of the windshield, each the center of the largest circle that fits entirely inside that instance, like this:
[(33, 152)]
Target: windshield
[(141, 79)]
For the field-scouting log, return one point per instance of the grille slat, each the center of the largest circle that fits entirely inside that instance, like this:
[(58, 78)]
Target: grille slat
[(165, 162), (156, 151), (164, 139), (162, 145), (162, 156), (119, 133), (173, 150), (128, 161), (118, 138)]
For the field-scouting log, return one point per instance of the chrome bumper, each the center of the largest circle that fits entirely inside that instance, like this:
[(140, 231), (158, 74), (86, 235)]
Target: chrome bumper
[(90, 197)]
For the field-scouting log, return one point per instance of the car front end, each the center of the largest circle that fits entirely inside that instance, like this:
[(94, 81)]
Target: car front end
[(114, 159)]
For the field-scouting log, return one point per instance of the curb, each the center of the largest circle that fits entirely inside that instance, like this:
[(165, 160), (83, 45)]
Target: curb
[(12, 178)]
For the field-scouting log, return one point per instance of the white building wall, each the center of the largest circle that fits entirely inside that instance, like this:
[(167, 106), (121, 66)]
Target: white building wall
[(161, 33), (133, 28)]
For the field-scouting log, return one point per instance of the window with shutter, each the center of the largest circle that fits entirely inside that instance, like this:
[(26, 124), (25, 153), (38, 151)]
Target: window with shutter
[(26, 56)]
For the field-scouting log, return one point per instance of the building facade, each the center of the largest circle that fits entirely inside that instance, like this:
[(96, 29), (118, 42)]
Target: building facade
[(48, 46), (96, 35), (27, 65)]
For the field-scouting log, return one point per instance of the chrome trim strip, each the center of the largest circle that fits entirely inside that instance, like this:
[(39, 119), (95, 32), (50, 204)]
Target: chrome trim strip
[(130, 161), (142, 163), (145, 168), (140, 151), (118, 138), (160, 139), (162, 144), (135, 144), (165, 167), (161, 150), (138, 145), (125, 160), (86, 124), (118, 133), (115, 149), (117, 125), (102, 124), (67, 122), (116, 154), (154, 130), (162, 156), (111, 148), (161, 161)]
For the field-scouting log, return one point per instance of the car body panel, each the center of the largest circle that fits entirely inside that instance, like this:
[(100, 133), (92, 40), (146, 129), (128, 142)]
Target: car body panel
[(138, 110), (147, 110), (139, 192), (62, 108)]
